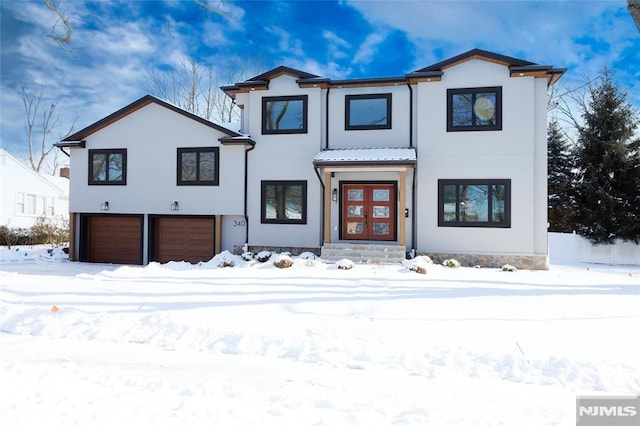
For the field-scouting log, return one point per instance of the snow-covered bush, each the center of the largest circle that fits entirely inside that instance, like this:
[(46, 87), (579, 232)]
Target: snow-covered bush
[(227, 263), (283, 260), (344, 264), (263, 256), (451, 263), (247, 256), (307, 255), (419, 268), (508, 268), (418, 264)]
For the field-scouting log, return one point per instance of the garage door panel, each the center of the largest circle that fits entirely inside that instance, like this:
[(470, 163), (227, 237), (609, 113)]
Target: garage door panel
[(189, 239), (114, 239)]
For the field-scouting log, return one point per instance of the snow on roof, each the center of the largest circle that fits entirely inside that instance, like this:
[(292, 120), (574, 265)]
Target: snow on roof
[(366, 155)]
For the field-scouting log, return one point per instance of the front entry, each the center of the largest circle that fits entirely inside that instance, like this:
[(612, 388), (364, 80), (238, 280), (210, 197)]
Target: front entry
[(368, 211)]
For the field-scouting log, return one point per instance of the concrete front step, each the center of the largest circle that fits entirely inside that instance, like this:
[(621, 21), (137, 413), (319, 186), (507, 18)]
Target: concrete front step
[(363, 253)]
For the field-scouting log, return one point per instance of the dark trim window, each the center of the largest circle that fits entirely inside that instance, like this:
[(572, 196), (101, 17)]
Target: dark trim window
[(474, 203), (199, 166), (284, 114), (474, 109), (284, 201), (367, 112), (107, 167)]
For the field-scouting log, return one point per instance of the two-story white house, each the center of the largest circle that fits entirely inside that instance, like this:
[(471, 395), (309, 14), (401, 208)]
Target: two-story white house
[(449, 160)]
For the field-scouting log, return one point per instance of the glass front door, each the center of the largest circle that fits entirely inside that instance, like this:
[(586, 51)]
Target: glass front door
[(368, 212)]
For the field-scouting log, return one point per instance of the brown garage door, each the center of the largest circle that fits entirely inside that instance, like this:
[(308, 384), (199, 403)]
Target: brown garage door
[(184, 238), (114, 239)]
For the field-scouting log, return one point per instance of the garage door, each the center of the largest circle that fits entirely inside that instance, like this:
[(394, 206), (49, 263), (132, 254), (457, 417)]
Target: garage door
[(184, 238), (114, 239)]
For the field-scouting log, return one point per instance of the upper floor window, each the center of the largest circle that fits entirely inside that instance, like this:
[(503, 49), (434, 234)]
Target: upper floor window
[(199, 166), (284, 114), (284, 201), (366, 112), (107, 167), (474, 203), (474, 109)]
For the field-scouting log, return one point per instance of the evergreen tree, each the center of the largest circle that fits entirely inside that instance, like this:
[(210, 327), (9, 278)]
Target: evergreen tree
[(607, 190), (560, 167)]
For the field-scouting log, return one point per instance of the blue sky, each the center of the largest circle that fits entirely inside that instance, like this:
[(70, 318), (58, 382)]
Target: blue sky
[(115, 43)]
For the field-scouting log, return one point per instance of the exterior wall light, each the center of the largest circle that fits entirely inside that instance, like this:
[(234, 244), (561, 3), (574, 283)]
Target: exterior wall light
[(334, 195), (175, 206), (104, 206)]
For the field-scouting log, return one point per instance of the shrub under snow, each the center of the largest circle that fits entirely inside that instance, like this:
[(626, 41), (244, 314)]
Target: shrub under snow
[(451, 263), (263, 256), (283, 260), (344, 264), (508, 268)]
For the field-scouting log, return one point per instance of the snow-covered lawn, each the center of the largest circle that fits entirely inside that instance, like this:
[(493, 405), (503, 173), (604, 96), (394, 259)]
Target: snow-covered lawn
[(181, 344)]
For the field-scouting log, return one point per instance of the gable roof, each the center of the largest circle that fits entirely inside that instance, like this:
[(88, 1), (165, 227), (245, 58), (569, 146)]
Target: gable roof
[(476, 54), (282, 70), (135, 106), (261, 81), (517, 67)]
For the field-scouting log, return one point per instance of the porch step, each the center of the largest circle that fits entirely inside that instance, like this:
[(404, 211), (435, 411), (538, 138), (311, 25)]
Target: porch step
[(363, 253)]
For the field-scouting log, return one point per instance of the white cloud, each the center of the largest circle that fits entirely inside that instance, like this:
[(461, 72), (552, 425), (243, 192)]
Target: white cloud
[(368, 49), (285, 42), (337, 45)]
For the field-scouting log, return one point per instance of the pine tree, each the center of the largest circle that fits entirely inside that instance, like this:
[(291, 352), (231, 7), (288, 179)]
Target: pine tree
[(560, 180), (607, 190)]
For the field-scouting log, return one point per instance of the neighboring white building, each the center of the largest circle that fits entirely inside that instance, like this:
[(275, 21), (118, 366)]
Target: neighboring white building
[(449, 161), (27, 195)]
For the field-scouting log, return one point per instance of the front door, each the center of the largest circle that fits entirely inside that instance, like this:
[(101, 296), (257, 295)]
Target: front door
[(369, 211)]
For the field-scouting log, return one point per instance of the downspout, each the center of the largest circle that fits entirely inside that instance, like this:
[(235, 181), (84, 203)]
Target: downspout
[(410, 114), (326, 146), (414, 216), (246, 186), (64, 152), (326, 142), (321, 206)]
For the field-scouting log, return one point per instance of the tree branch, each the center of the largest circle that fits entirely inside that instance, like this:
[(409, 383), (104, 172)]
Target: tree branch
[(65, 21)]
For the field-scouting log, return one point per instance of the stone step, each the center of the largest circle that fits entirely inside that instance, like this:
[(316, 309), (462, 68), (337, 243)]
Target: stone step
[(363, 253)]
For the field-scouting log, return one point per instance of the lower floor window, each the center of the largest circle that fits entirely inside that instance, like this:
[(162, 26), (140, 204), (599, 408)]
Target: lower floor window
[(284, 201), (474, 202)]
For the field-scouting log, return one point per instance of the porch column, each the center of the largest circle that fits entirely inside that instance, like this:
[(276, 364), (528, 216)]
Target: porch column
[(403, 199), (73, 254), (217, 245), (327, 208)]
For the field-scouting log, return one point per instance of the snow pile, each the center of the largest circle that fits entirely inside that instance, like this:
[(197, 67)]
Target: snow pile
[(31, 253), (310, 344)]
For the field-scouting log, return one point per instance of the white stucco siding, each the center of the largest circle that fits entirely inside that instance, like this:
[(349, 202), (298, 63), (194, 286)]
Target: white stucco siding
[(502, 154), (151, 136), (540, 168), (397, 136), (285, 157), (284, 235)]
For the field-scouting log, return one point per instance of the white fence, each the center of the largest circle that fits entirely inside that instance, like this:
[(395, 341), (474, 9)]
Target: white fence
[(572, 248)]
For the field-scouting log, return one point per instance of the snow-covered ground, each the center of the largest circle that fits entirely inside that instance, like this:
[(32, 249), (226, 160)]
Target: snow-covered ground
[(180, 344)]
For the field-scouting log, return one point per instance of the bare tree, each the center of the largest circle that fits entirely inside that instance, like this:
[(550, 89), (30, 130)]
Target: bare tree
[(196, 88), (64, 37), (40, 121), (633, 7)]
